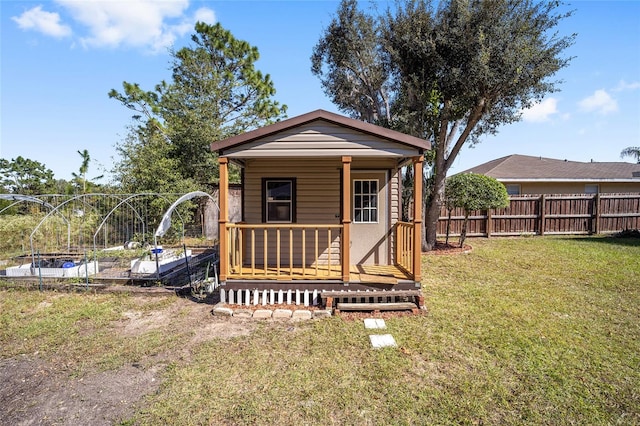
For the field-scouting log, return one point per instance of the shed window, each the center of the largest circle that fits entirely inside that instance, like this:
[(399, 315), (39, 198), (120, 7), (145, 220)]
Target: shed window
[(365, 201), (279, 204)]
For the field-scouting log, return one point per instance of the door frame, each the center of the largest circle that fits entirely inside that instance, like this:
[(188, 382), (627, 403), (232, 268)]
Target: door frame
[(384, 217)]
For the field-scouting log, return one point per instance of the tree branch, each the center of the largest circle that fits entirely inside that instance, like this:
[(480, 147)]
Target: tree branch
[(474, 118)]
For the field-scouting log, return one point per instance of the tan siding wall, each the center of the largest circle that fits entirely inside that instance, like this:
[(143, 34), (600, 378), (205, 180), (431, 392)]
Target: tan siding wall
[(373, 163), (318, 202), (575, 188), (395, 199), (317, 186), (320, 139), (395, 203), (619, 187)]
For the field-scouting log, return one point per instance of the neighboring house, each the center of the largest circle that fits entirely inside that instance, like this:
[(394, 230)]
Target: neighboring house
[(321, 209), (522, 174)]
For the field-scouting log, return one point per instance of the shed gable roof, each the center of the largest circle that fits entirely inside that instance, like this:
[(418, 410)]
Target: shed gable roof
[(304, 129), (524, 167)]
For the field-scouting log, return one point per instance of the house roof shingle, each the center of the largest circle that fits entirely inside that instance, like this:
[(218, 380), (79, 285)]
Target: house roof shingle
[(523, 167)]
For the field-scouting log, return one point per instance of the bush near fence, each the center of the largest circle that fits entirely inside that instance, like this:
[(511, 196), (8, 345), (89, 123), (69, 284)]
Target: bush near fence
[(548, 214)]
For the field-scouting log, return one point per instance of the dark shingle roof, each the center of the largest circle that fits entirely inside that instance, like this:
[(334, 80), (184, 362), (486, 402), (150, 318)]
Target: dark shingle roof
[(524, 167)]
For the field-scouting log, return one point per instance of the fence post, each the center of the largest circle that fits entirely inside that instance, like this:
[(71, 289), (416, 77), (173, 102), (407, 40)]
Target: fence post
[(489, 223), (596, 213), (543, 219)]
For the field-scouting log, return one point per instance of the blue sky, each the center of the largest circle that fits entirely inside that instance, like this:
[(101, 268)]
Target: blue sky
[(59, 59)]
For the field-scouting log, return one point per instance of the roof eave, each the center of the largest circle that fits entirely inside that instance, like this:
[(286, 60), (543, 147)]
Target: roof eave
[(361, 126)]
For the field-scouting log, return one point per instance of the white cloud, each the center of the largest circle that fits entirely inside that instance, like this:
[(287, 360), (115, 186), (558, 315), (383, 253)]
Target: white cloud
[(623, 86), (47, 23), (149, 24), (600, 102), (205, 15), (139, 23), (541, 111)]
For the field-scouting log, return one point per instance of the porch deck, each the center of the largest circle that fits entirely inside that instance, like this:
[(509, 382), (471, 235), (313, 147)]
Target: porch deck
[(380, 274)]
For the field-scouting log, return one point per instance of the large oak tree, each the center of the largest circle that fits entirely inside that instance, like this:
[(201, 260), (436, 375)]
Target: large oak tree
[(456, 71)]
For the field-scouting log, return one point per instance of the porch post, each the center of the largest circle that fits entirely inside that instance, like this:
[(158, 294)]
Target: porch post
[(345, 241), (223, 197), (417, 218)]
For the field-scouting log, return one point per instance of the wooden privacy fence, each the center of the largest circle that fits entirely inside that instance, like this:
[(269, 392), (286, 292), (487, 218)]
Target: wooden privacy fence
[(550, 214)]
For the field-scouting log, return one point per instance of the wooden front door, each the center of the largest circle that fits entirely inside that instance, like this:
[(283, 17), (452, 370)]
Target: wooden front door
[(370, 218)]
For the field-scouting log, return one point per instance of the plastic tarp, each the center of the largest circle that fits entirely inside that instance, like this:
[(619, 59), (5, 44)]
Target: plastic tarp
[(165, 224)]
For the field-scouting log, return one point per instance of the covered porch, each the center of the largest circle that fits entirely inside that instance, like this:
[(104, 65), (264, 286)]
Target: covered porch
[(307, 252)]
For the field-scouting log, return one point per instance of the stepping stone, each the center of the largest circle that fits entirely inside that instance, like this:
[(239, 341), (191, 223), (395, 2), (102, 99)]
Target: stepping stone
[(382, 340), (374, 323), (243, 313), (262, 314), (282, 313), (221, 311), (301, 315)]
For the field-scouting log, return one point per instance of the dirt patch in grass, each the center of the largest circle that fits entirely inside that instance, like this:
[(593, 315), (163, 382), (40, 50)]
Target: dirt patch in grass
[(442, 248), (37, 392), (48, 390)]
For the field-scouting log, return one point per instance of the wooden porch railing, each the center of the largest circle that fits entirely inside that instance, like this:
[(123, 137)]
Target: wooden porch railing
[(404, 246), (284, 251)]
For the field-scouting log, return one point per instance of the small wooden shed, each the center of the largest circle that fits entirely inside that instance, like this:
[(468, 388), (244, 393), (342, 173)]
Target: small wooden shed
[(321, 209)]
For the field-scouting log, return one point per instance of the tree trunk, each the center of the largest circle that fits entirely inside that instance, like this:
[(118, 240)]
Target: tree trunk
[(446, 240), (463, 234), (432, 214)]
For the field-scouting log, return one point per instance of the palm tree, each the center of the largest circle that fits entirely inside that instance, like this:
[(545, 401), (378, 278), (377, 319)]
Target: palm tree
[(632, 151), (84, 168)]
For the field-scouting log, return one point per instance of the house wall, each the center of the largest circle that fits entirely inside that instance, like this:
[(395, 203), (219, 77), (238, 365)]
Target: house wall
[(574, 188), (317, 185), (318, 190)]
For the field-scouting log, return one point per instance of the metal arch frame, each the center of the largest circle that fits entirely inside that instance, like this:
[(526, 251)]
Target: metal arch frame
[(166, 218), (165, 223), (20, 198), (126, 200), (56, 209)]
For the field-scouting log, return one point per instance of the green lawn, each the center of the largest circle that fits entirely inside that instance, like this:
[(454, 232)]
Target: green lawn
[(519, 331)]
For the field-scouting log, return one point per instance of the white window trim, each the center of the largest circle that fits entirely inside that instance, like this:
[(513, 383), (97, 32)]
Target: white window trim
[(377, 207)]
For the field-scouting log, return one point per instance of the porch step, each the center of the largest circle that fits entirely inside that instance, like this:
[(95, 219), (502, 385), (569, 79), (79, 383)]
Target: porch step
[(376, 300), (372, 293), (397, 306)]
